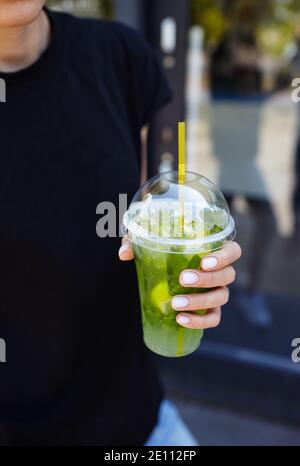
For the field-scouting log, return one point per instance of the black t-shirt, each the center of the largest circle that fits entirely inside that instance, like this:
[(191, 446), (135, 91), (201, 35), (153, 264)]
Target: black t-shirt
[(77, 371)]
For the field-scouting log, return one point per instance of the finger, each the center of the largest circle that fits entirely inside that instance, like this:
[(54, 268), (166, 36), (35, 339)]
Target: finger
[(200, 279), (230, 253), (126, 251), (208, 300), (210, 320)]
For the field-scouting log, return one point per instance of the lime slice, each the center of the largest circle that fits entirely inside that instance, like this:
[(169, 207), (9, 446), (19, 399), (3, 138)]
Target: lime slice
[(160, 297)]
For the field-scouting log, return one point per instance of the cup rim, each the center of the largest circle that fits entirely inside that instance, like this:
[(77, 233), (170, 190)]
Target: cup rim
[(194, 244)]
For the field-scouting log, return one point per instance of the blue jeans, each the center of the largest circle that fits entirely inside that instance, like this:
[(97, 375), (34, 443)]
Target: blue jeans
[(170, 429)]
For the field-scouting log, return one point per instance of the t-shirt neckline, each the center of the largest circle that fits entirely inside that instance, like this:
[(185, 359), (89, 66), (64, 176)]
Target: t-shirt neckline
[(43, 65)]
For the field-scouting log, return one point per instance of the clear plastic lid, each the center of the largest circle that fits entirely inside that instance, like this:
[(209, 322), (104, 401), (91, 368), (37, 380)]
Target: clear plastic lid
[(179, 217)]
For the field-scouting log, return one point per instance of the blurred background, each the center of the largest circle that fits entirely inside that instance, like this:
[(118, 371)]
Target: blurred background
[(231, 64)]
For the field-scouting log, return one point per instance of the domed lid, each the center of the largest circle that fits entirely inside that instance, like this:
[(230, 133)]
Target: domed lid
[(192, 214)]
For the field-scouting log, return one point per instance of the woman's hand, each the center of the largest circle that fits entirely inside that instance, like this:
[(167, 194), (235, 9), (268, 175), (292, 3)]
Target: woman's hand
[(216, 273)]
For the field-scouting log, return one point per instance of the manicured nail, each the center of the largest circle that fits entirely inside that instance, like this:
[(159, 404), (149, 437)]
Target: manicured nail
[(179, 302), (184, 320), (124, 248), (209, 263), (189, 278)]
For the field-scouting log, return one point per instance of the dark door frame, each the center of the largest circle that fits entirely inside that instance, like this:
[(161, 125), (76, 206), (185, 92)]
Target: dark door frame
[(147, 17)]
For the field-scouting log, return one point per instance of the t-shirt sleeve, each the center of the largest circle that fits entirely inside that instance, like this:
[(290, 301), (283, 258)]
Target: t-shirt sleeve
[(148, 86)]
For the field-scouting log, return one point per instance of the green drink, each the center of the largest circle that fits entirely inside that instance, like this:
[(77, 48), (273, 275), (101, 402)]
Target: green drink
[(158, 276), (167, 241)]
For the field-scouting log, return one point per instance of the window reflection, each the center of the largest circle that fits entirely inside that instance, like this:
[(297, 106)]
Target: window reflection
[(243, 134)]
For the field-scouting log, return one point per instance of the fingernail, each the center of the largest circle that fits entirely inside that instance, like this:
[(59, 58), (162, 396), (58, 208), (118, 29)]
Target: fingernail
[(189, 278), (209, 263), (179, 302), (124, 248), (184, 320)]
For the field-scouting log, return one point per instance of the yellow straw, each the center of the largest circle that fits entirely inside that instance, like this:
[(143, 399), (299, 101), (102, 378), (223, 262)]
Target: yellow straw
[(181, 181), (181, 169), (181, 153)]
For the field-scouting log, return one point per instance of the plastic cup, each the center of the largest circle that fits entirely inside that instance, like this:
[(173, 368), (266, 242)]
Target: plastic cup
[(172, 226)]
